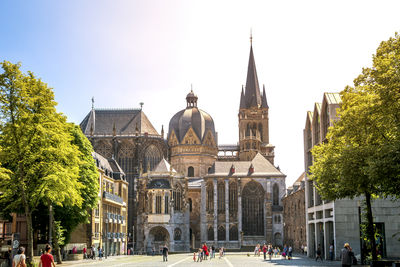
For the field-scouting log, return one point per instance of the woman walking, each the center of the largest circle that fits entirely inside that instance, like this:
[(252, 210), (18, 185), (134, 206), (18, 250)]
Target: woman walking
[(19, 259)]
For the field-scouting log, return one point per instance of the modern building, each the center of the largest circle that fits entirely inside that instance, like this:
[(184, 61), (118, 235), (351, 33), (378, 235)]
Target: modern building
[(337, 222), (294, 220), (107, 226)]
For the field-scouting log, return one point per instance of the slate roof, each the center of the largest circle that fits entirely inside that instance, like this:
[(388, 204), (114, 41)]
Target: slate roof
[(252, 92), (262, 168), (110, 165), (124, 121)]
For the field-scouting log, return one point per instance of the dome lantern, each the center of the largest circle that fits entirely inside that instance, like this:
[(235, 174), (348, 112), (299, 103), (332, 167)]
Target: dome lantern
[(191, 100)]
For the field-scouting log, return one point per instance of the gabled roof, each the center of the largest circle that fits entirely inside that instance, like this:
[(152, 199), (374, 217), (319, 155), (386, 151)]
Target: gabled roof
[(317, 107), (109, 164), (252, 93), (310, 115), (124, 121), (333, 98), (262, 168), (163, 167)]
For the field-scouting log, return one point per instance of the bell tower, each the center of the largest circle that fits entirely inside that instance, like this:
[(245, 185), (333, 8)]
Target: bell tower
[(253, 117)]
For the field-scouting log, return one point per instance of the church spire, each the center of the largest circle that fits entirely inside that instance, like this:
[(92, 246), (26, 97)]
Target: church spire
[(252, 93), (242, 99), (264, 103)]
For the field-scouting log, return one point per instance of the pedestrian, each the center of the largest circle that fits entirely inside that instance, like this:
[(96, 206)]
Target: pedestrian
[(84, 253), (270, 252), (290, 251), (305, 249), (94, 252), (165, 253), (19, 259), (194, 256), (346, 255), (302, 249), (205, 251), (319, 253), (213, 251), (47, 260), (221, 252), (275, 252), (8, 257), (100, 253), (153, 250), (331, 252), (264, 249), (285, 251), (200, 256)]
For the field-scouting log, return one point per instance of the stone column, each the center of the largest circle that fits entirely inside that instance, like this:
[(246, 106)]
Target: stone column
[(203, 213), (239, 213), (227, 209), (215, 210)]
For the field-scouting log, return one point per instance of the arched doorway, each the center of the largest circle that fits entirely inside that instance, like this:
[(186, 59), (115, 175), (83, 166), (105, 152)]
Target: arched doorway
[(278, 239), (253, 209), (158, 237)]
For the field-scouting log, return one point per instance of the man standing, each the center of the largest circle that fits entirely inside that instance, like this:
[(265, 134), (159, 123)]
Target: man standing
[(319, 253), (165, 253), (346, 255), (331, 252)]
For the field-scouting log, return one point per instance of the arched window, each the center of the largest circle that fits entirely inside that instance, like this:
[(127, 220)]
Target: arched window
[(177, 195), (221, 197), (233, 233), (210, 197), (152, 157), (190, 204), (190, 171), (233, 198), (248, 129), (177, 234), (254, 129), (275, 194), (210, 234), (260, 129), (221, 233), (253, 209), (279, 218)]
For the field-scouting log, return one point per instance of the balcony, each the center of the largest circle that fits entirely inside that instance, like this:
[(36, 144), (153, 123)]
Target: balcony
[(112, 197)]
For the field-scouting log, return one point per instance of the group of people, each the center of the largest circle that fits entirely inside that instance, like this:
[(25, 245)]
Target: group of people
[(19, 260), (91, 254), (273, 251), (204, 252)]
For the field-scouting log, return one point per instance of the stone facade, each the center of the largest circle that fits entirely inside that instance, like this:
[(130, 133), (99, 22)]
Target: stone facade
[(293, 215), (163, 217)]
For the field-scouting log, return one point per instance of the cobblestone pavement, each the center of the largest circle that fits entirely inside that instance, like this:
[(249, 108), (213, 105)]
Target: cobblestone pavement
[(184, 260)]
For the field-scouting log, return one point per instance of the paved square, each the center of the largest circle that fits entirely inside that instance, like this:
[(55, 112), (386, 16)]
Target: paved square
[(183, 260)]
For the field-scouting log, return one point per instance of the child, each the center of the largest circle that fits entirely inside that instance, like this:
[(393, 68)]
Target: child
[(194, 256)]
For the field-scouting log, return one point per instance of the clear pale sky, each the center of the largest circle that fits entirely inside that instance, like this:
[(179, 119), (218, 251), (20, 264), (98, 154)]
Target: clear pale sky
[(126, 52)]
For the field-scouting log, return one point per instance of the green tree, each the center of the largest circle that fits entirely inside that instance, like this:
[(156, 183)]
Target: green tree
[(71, 216), (36, 148), (361, 157)]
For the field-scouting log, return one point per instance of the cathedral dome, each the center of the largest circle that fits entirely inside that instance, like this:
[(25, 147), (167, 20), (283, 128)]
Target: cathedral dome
[(191, 117)]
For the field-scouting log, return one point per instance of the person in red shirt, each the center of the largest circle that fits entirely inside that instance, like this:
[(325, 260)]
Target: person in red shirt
[(46, 260)]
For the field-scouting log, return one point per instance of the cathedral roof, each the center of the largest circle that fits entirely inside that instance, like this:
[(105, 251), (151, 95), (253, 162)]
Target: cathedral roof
[(261, 168), (111, 165), (163, 167), (199, 120), (120, 121)]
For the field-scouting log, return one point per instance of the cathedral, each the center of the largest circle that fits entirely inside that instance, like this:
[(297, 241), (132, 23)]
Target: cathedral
[(184, 189)]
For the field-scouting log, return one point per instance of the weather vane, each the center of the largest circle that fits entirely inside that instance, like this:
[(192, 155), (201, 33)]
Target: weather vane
[(93, 102), (251, 36)]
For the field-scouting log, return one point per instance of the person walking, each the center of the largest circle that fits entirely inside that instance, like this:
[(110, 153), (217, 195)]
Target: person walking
[(199, 255), (100, 253), (264, 249), (346, 255), (319, 253), (331, 252), (213, 251), (270, 251), (47, 260), (290, 251), (205, 251), (84, 253), (285, 251), (302, 249), (19, 259), (165, 253)]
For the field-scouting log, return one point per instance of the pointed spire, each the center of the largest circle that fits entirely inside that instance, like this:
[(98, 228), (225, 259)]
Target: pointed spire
[(92, 102), (252, 93), (242, 99), (264, 103), (162, 131)]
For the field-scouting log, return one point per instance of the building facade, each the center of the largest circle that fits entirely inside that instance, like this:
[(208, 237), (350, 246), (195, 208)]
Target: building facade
[(293, 215), (107, 226), (338, 222)]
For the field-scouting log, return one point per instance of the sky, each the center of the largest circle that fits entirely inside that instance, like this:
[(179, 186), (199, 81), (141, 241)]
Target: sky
[(126, 52)]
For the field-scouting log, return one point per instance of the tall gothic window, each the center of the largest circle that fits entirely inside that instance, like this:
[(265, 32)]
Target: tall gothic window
[(150, 200), (210, 197), (158, 204), (152, 157), (221, 197), (190, 204), (253, 209), (177, 194), (248, 129), (233, 198), (190, 171), (260, 129), (275, 194), (166, 204), (210, 233), (233, 233), (221, 233)]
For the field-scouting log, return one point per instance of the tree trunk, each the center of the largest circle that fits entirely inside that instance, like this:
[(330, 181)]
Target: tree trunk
[(55, 236), (29, 249), (370, 226)]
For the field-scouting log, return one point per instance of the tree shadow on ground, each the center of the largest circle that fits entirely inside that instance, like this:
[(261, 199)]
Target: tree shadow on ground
[(301, 262)]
